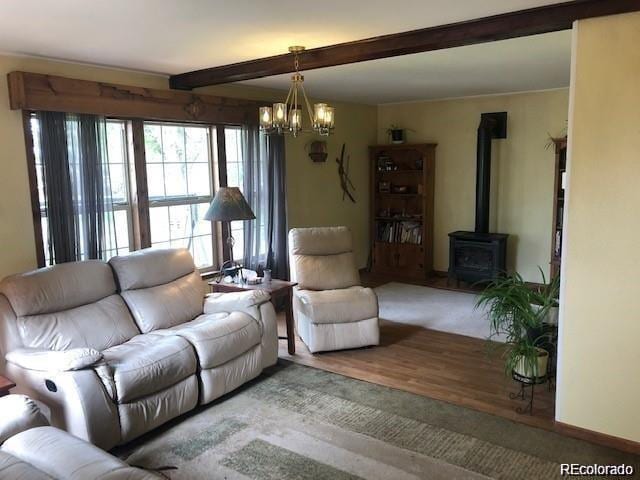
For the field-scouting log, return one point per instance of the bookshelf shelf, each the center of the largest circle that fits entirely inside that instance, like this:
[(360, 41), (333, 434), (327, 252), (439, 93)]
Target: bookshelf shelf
[(402, 223)]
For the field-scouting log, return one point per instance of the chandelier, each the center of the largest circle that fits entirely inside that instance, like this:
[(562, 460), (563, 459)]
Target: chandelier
[(286, 117)]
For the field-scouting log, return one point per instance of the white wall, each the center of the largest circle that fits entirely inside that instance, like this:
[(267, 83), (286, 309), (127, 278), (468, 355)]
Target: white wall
[(599, 363)]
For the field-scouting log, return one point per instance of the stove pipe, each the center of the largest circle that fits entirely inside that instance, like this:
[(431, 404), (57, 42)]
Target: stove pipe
[(492, 125)]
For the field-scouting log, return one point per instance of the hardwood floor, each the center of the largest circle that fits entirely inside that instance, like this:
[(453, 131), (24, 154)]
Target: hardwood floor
[(444, 366)]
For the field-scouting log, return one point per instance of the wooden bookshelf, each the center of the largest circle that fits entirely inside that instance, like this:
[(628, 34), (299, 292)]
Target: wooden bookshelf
[(558, 204), (402, 185)]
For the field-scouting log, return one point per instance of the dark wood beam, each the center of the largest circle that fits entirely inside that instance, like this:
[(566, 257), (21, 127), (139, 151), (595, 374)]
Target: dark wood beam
[(34, 91), (550, 18)]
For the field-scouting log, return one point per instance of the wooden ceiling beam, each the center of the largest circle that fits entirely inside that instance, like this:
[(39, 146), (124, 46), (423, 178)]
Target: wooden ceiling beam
[(521, 23)]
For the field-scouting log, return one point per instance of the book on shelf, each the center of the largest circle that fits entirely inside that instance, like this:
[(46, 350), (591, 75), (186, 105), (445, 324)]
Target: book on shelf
[(399, 232)]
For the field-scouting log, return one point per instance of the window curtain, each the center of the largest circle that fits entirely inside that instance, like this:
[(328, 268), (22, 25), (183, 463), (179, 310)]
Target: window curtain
[(265, 238), (75, 174)]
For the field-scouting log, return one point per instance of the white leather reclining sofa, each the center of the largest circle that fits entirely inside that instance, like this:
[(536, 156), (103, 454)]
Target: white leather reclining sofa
[(116, 349), (32, 450)]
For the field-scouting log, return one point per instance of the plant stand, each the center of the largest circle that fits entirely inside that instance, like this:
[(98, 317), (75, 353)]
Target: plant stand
[(530, 383)]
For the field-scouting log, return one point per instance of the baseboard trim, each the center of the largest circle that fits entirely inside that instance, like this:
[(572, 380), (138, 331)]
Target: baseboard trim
[(618, 443)]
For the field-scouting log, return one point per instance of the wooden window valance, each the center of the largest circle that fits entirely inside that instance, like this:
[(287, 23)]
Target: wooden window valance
[(34, 91)]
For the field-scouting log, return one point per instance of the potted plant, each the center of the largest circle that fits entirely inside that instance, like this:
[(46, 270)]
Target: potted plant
[(520, 313), (396, 134)]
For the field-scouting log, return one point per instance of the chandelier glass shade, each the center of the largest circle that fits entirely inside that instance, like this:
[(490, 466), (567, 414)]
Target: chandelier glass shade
[(287, 116)]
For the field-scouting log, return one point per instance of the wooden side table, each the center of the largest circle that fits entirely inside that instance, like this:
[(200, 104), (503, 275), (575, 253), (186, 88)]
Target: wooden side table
[(277, 289), (5, 386)]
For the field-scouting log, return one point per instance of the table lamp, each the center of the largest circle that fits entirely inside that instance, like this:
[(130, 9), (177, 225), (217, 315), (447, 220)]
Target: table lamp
[(229, 205)]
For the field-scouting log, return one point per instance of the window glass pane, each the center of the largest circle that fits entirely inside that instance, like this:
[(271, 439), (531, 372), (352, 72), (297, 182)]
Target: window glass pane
[(115, 142), (175, 177), (155, 180), (199, 182), (202, 227), (180, 221), (152, 143), (159, 220), (121, 221), (202, 250), (173, 140), (197, 145), (118, 179)]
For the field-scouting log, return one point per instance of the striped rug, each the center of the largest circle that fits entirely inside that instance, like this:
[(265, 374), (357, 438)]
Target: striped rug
[(295, 422)]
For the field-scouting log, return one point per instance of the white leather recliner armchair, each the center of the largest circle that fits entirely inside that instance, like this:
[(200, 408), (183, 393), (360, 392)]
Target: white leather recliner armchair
[(331, 310)]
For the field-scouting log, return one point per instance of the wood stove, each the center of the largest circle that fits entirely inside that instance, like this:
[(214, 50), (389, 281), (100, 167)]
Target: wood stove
[(480, 255)]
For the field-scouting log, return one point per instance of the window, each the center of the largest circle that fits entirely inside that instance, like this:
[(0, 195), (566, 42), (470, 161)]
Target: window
[(117, 218), (180, 186), (236, 170), (181, 163), (235, 178)]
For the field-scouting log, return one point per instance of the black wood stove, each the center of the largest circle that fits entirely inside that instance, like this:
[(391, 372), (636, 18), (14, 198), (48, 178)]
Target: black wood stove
[(480, 255)]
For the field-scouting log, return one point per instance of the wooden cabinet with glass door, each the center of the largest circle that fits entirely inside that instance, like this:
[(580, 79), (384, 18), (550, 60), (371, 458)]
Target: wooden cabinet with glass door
[(402, 184)]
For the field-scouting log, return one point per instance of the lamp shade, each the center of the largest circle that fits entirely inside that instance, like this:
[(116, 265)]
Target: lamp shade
[(229, 204)]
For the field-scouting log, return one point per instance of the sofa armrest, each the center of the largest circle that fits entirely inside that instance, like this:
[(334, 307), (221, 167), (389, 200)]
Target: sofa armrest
[(235, 301), (77, 402), (54, 361), (17, 414)]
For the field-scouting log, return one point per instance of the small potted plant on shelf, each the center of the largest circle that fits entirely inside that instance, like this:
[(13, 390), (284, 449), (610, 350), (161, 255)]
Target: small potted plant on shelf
[(523, 315), (396, 133)]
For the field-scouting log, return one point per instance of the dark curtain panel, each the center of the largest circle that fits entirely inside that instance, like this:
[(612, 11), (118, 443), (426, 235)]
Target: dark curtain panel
[(265, 238), (54, 151), (76, 185)]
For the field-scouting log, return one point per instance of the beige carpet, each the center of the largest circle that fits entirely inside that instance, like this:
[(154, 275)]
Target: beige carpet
[(433, 308), (300, 423)]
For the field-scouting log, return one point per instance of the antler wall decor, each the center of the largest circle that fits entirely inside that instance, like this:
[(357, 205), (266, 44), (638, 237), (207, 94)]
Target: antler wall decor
[(343, 172)]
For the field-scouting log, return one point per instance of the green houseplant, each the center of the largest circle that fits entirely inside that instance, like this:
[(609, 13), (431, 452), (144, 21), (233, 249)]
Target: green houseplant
[(522, 315)]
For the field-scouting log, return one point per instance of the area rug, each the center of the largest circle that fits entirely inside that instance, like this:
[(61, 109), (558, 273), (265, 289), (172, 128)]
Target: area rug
[(433, 308), (296, 422)]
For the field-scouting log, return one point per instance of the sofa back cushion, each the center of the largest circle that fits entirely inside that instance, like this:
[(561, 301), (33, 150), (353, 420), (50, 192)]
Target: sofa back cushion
[(70, 305), (322, 258), (161, 287)]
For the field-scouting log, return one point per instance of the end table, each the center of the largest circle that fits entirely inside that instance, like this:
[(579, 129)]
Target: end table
[(5, 386), (277, 289)]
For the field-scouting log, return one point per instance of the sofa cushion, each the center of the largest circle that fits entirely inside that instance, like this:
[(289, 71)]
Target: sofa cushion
[(144, 365), (167, 305), (218, 337), (325, 272), (13, 467), (339, 306), (99, 325), (320, 241), (58, 288), (151, 267)]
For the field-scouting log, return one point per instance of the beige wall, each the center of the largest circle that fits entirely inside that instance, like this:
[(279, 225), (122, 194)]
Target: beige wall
[(522, 184), (314, 195), (599, 372)]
